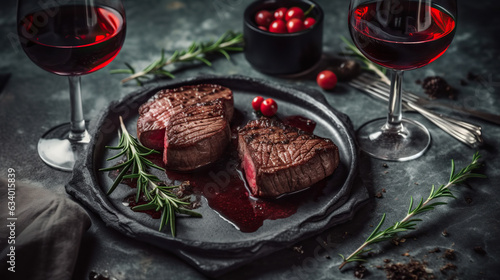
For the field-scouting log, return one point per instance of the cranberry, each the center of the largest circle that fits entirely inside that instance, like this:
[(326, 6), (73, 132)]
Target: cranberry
[(269, 107), (326, 79), (256, 102), (277, 26), (280, 13), (294, 25), (263, 18), (309, 22), (294, 12)]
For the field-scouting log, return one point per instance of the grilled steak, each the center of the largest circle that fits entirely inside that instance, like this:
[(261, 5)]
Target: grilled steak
[(280, 159), (155, 114), (196, 136)]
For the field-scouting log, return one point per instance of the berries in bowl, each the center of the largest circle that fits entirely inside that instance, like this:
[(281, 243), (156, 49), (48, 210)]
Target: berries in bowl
[(283, 36)]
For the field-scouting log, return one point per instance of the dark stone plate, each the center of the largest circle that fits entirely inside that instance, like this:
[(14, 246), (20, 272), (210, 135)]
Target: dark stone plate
[(211, 244)]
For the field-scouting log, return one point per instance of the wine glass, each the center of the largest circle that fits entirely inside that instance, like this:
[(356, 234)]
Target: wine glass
[(399, 35), (70, 38)]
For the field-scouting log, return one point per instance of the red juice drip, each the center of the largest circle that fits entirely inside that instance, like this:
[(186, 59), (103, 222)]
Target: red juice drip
[(72, 40), (301, 123), (412, 35)]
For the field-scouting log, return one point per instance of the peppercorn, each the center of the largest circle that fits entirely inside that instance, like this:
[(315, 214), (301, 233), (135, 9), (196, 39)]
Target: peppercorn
[(437, 87), (346, 70)]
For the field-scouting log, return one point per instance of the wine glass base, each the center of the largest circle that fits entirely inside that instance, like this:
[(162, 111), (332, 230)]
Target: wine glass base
[(58, 151), (406, 144)]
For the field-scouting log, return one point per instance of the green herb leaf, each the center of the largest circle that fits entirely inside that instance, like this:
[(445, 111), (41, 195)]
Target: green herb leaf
[(408, 222), (160, 198), (228, 42)]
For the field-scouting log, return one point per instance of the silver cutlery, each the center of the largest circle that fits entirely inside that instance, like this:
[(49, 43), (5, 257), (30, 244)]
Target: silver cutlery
[(465, 132), (425, 102)]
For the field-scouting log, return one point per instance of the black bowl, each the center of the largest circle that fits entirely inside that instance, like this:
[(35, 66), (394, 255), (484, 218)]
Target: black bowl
[(281, 54)]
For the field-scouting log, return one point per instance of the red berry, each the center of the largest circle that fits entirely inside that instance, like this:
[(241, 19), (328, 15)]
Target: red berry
[(269, 107), (309, 22), (326, 79), (263, 18), (280, 13), (294, 12), (294, 25), (256, 102), (277, 26)]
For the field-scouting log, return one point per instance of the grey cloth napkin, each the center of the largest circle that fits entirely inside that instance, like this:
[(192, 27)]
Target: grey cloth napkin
[(48, 231)]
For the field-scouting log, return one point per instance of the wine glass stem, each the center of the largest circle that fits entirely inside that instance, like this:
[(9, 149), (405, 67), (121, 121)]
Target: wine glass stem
[(395, 113), (77, 130)]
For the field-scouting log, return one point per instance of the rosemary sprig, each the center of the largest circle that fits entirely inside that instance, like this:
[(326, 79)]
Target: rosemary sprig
[(408, 222), (160, 198), (228, 42), (354, 51)]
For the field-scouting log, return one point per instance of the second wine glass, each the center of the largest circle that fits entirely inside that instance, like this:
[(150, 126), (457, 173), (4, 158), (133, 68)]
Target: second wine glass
[(71, 39), (399, 35)]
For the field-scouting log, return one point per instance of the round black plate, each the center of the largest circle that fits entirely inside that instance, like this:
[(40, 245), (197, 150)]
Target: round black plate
[(211, 243)]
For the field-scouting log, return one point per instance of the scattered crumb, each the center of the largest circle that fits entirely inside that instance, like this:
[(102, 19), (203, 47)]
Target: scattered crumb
[(328, 257), (445, 233), (298, 249), (411, 270), (360, 272), (468, 199), (448, 266), (435, 250), (397, 240), (437, 87), (379, 195), (385, 165), (387, 260), (479, 250), (472, 77), (385, 172), (383, 190), (449, 254), (379, 267), (406, 254), (176, 5), (416, 183), (100, 276)]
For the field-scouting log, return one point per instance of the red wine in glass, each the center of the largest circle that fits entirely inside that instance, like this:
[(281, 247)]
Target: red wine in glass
[(60, 48), (70, 38), (399, 35), (402, 41)]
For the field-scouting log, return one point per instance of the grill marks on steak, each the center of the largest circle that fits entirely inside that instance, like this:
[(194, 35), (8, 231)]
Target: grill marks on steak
[(155, 114), (280, 159), (196, 136)]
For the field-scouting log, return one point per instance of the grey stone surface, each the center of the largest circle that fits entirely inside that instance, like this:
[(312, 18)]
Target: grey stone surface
[(34, 100)]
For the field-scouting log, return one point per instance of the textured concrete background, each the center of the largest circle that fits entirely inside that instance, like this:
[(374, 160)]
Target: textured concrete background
[(35, 100)]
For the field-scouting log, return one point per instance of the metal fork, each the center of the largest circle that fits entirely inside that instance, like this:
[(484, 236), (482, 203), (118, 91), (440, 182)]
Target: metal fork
[(464, 132), (422, 101)]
